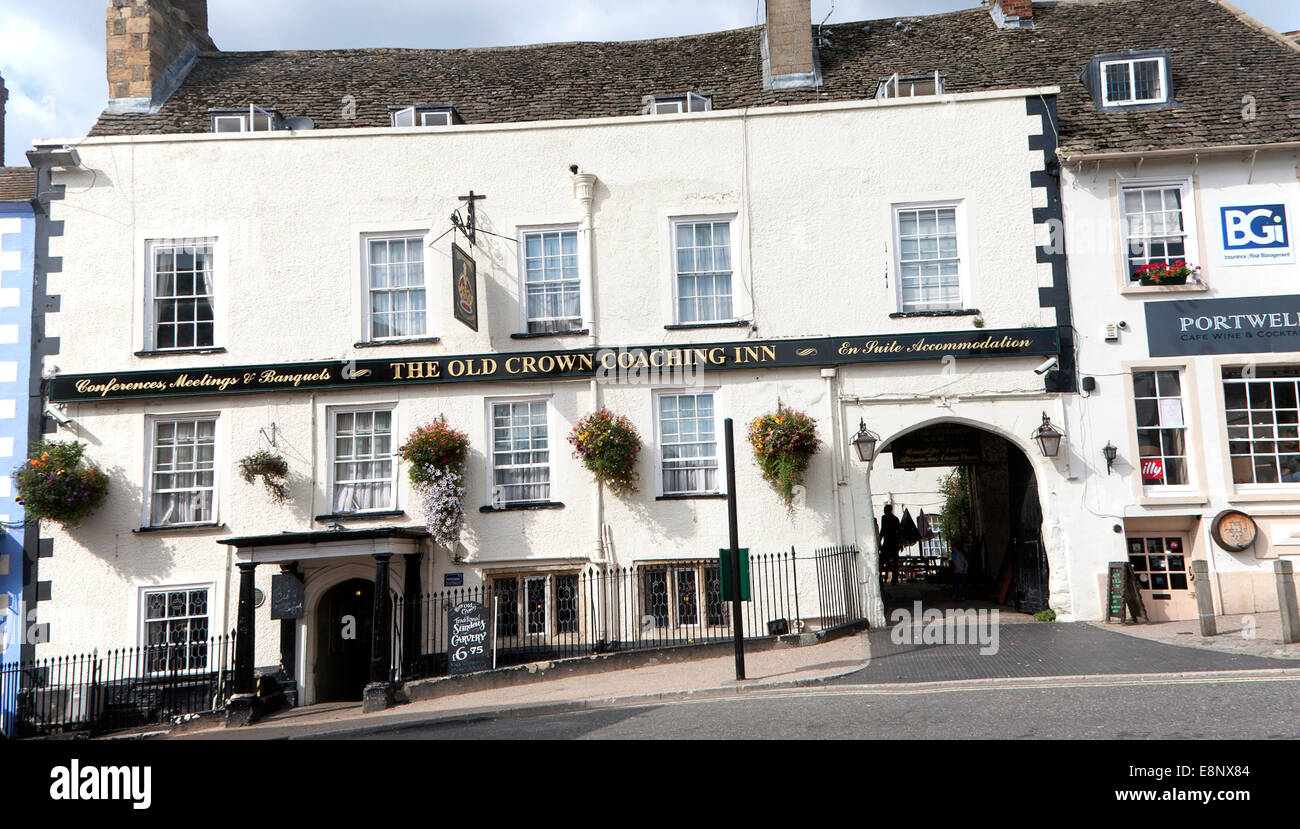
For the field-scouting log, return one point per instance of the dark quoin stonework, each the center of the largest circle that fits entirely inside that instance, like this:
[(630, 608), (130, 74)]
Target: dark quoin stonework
[(1057, 296), (1217, 59)]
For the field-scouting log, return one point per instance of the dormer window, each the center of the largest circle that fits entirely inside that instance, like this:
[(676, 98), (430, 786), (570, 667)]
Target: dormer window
[(439, 115), (1130, 80), (255, 119), (910, 86), (669, 104)]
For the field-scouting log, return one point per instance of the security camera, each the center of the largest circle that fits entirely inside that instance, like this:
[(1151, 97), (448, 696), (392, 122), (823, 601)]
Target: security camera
[(1121, 325), (57, 416), (1047, 365), (573, 168)]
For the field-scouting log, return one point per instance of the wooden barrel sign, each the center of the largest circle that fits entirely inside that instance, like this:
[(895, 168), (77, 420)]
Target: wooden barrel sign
[(467, 644)]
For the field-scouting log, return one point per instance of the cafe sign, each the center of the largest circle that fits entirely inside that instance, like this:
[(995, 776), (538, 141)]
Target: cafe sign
[(644, 364), (1236, 325)]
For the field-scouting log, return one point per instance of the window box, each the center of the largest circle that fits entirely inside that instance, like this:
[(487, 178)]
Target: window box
[(1169, 280), (360, 516)]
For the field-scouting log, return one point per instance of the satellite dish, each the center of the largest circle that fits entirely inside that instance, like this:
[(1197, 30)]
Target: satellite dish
[(302, 122)]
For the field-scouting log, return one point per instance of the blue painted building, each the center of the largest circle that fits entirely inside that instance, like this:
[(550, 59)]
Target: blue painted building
[(17, 277)]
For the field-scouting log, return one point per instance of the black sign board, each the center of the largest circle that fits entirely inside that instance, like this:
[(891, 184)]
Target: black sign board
[(286, 596), (1122, 593), (649, 363), (464, 287), (1235, 325), (943, 444), (468, 644), (453, 579)]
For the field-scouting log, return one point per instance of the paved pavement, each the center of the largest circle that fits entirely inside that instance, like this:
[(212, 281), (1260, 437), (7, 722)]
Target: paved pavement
[(1256, 634), (1043, 649), (1080, 651), (1222, 709)]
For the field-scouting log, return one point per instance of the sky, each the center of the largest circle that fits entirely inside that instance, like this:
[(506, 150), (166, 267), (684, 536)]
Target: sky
[(52, 51)]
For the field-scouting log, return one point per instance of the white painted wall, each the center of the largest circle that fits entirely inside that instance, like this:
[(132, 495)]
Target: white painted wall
[(812, 188)]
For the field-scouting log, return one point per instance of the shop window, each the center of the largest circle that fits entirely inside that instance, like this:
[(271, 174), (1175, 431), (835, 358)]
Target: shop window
[(1161, 427), (1263, 421)]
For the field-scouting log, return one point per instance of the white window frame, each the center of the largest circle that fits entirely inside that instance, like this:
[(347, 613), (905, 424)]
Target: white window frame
[(422, 116), (1161, 69), (367, 332), (151, 440), (718, 449), (889, 87), (249, 122), (1278, 486), (331, 424), (677, 104), (151, 288), (674, 222), (673, 622), (521, 236), (964, 265), (1187, 199), (142, 622), (490, 449)]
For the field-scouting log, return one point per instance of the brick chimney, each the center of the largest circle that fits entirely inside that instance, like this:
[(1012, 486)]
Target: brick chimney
[(1012, 14), (789, 60), (151, 47)]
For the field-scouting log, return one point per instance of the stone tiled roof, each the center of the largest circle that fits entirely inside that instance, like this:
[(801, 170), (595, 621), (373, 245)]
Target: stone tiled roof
[(1217, 59), (17, 184)]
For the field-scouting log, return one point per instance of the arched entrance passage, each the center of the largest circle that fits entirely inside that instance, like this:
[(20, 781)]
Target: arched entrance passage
[(980, 494), (343, 640)]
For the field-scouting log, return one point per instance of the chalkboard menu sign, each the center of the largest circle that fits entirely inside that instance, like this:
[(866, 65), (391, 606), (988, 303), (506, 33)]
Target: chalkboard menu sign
[(468, 643), (286, 596), (1122, 595)]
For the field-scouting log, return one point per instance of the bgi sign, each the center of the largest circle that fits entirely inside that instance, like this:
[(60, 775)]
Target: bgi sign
[(1255, 234)]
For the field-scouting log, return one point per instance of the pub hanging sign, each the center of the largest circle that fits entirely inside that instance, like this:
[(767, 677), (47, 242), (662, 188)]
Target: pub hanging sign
[(635, 365), (464, 287)]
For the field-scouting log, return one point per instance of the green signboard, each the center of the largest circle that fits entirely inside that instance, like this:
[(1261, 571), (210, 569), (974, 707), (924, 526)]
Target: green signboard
[(724, 567)]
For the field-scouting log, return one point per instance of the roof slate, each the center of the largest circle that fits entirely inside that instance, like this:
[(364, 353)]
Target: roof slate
[(1217, 60), (17, 184)]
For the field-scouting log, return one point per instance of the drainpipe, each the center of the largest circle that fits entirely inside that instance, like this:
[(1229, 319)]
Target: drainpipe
[(836, 478)]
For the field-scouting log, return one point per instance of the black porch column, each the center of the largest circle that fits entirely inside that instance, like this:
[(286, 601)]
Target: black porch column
[(381, 647), (411, 634), (244, 632), (289, 640)]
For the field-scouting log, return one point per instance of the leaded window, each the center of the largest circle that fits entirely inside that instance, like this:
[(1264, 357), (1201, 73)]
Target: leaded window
[(183, 478), (181, 291), (673, 594), (176, 629), (1133, 81)]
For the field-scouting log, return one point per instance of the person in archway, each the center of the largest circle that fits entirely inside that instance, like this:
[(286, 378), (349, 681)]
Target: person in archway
[(960, 568), (891, 540)]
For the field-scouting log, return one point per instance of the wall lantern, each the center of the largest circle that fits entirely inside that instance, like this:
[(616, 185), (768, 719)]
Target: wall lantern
[(1048, 437), (1109, 451), (865, 442)]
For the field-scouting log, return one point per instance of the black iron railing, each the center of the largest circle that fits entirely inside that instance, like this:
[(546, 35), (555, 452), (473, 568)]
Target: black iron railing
[(114, 689), (578, 611)]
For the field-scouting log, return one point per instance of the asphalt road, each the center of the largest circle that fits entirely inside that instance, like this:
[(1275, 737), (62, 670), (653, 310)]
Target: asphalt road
[(1254, 708)]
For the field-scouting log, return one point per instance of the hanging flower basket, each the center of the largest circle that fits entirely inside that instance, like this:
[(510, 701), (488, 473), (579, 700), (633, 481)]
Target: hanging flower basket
[(1176, 273), (436, 453), (608, 446), (784, 442), (272, 468), (58, 484)]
